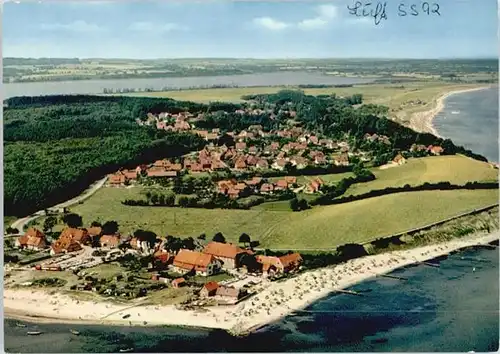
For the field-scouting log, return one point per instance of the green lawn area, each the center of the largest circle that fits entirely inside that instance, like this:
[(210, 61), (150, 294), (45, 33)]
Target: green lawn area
[(280, 205), (395, 96), (456, 169), (106, 270), (368, 219), (320, 227)]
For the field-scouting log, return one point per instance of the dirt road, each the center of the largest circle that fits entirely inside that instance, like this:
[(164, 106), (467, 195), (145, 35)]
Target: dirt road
[(21, 223)]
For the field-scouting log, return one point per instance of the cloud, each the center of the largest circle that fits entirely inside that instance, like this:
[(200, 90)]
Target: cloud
[(325, 14), (153, 27), (327, 11), (270, 23), (76, 26), (312, 23), (359, 21)]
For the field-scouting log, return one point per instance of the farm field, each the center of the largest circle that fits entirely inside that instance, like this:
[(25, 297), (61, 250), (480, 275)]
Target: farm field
[(400, 98), (455, 169), (323, 227)]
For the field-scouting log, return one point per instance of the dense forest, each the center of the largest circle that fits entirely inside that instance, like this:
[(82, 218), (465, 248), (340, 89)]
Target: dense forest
[(56, 146)]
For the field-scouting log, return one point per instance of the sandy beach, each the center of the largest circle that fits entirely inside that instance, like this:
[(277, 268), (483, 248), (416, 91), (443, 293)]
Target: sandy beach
[(423, 121), (276, 300)]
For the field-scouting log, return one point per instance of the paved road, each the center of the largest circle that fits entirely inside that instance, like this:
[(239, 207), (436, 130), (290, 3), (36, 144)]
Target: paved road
[(20, 223)]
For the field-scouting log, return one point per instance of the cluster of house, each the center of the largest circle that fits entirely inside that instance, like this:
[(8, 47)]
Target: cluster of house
[(243, 156), (432, 149), (33, 239), (70, 240), (214, 257), (159, 169), (217, 256), (256, 185), (259, 185), (250, 153)]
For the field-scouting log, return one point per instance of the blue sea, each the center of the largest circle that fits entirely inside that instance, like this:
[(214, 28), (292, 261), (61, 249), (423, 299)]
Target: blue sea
[(470, 119), (452, 308)]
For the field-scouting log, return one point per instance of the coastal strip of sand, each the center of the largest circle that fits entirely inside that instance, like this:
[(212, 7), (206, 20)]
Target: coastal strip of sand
[(274, 301), (423, 121)]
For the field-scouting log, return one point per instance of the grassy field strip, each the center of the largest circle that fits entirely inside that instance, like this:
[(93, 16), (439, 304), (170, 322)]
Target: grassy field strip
[(327, 226)]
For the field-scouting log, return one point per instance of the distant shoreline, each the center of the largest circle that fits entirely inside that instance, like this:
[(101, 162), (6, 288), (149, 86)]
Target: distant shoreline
[(281, 298), (424, 121)]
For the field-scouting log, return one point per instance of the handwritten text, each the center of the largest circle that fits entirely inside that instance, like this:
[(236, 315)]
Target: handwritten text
[(378, 10)]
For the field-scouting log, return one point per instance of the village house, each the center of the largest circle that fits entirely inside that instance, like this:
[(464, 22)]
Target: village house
[(281, 185), (229, 292), (154, 173), (315, 185), (225, 252), (33, 239), (313, 140), (341, 160), (202, 263), (399, 160), (117, 179), (262, 164), (161, 260), (299, 162), (255, 181), (275, 265), (178, 283), (130, 175), (240, 163), (266, 188), (279, 164), (273, 147), (182, 125), (79, 235), (240, 146), (109, 241), (435, 150), (252, 160), (140, 245), (328, 143), (209, 289), (415, 148), (66, 243)]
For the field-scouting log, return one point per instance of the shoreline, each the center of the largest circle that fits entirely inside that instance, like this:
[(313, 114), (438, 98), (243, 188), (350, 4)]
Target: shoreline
[(423, 121), (276, 301)]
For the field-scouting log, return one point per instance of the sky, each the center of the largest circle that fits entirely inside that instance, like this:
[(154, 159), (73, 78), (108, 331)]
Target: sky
[(246, 29)]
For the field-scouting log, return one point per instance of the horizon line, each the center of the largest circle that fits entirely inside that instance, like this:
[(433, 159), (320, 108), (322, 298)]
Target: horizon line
[(250, 58)]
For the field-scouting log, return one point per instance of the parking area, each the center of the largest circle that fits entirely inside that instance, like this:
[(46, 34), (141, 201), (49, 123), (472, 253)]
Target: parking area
[(76, 260)]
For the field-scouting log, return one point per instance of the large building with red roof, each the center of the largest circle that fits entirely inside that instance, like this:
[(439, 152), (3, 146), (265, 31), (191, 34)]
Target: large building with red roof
[(225, 252), (201, 263)]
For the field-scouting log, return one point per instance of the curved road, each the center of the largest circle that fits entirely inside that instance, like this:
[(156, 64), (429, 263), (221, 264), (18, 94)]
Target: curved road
[(20, 223)]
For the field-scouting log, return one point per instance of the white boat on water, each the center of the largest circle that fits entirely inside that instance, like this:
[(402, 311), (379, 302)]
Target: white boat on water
[(128, 350), (34, 333), (455, 112)]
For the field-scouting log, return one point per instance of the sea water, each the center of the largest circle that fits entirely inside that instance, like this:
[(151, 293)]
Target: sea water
[(470, 119)]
